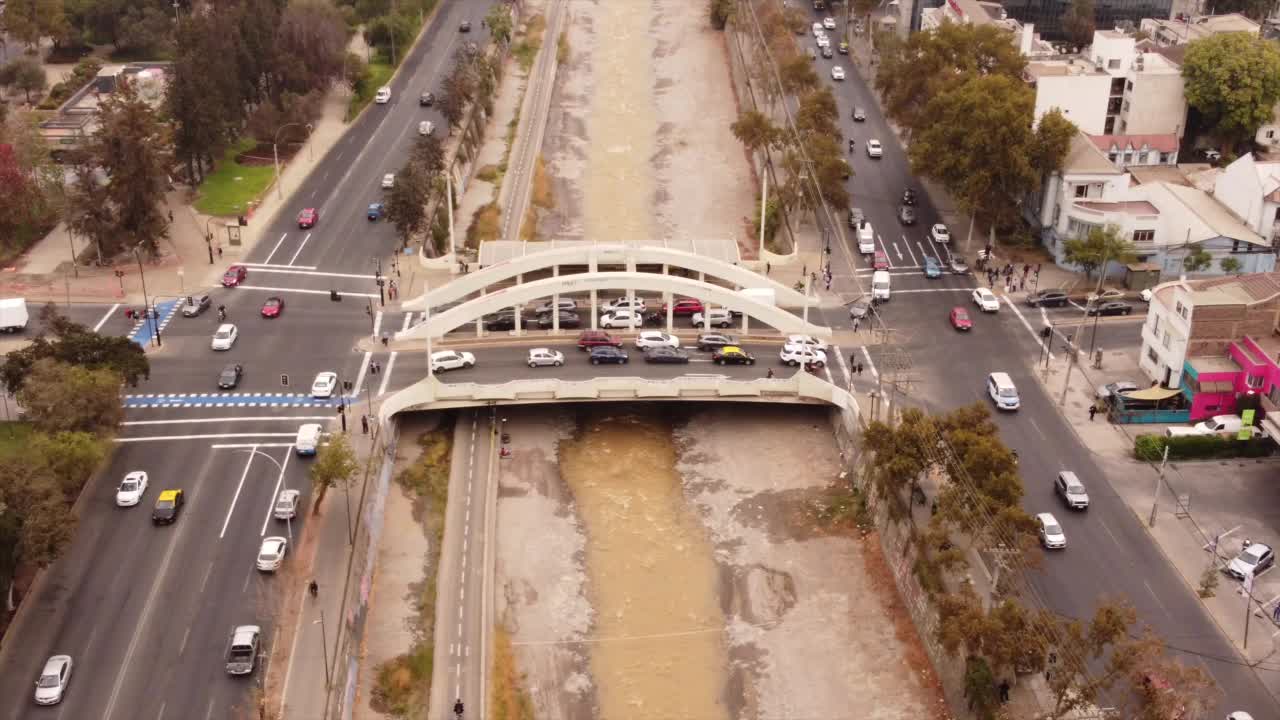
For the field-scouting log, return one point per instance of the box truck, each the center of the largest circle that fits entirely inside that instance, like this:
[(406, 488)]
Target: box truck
[(13, 315)]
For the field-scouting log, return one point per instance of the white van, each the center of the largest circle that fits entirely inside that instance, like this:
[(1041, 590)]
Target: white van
[(880, 285), (866, 238), (1220, 424), (1002, 391), (426, 128), (308, 439), (383, 96)]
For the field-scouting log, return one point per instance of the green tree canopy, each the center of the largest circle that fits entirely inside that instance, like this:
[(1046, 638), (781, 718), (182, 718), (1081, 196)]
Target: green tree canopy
[(335, 465), (1233, 79), (981, 145), (913, 72), (1197, 259), (59, 397), (75, 344), (1101, 245)]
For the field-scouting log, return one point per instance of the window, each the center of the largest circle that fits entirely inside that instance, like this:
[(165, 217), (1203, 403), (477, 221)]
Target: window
[(1125, 107), (1113, 156), (1166, 158), (1181, 309), (1128, 156), (1255, 381), (1151, 355), (1271, 134), (1142, 158), (1082, 191), (1128, 85), (1165, 341), (1155, 325), (1144, 236), (1076, 228)]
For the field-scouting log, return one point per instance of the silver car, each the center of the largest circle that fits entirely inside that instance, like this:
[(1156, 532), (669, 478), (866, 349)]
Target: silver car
[(539, 357), (53, 680), (1071, 490)]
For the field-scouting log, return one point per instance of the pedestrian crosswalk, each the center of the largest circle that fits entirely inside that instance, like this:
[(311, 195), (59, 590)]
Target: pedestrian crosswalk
[(238, 400), (146, 328)]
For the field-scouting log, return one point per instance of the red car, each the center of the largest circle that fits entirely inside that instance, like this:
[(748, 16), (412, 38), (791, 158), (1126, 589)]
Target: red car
[(308, 218), (960, 319), (597, 338), (685, 306), (273, 307), (881, 261), (234, 275)]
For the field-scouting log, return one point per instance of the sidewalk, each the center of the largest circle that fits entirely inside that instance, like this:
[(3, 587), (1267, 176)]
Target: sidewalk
[(44, 272)]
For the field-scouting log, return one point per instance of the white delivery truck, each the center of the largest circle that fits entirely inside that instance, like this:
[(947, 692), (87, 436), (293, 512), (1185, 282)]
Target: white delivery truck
[(13, 315), (866, 238)]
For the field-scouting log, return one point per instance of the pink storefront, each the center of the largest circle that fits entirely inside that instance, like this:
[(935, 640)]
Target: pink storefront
[(1216, 384)]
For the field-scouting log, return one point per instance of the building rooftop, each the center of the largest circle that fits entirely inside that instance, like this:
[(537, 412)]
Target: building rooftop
[(1161, 143), (1083, 156), (1213, 364), (1037, 69), (1251, 288), (1129, 207), (1142, 174), (1205, 218)]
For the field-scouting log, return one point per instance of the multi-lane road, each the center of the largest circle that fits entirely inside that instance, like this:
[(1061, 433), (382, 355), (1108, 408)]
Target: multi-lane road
[(146, 611), (1108, 553)]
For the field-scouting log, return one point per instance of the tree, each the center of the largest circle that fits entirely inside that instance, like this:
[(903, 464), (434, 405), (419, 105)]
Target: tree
[(25, 74), (59, 396), (335, 464), (1233, 79), (21, 200), (1052, 140), (1164, 687), (127, 146), (797, 75), (310, 42), (1256, 10), (406, 202), (1197, 259), (428, 154), (71, 457), (499, 21), (1102, 245), (981, 145), (1078, 22), (754, 130), (75, 344), (1230, 265), (913, 72), (818, 115)]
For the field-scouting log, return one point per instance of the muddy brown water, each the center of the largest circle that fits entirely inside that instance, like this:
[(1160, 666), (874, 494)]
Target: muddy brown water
[(622, 125), (657, 648)]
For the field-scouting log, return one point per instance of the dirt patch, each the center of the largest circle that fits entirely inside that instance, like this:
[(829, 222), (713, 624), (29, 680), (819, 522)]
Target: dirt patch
[(261, 154)]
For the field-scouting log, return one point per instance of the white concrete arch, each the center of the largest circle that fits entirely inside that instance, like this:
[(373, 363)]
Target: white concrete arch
[(459, 315), (593, 256)]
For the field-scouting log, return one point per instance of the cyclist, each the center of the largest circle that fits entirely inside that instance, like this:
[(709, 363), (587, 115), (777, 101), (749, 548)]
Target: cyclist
[(457, 707)]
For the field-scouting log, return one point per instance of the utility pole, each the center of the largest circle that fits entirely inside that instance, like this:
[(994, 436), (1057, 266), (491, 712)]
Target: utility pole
[(1155, 496)]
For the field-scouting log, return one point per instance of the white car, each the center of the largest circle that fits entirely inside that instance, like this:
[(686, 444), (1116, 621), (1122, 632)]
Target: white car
[(132, 488), (837, 73), (426, 127), (545, 356), (817, 29), (719, 317), (809, 340), (987, 300), (287, 504), (224, 337), (1253, 560), (802, 355), (388, 181), (272, 552), (829, 23), (1145, 295), (53, 680), (653, 338), (637, 304), (1051, 534), (823, 41), (621, 319), (324, 385), (451, 360), (384, 95), (873, 149), (940, 233)]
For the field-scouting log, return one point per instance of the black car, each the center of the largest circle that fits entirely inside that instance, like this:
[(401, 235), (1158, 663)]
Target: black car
[(195, 305), (907, 215), (230, 376), (168, 505), (608, 354), (1111, 308), (1048, 298), (666, 355), (908, 197), (859, 115), (426, 99), (826, 51), (715, 341), (567, 320), (733, 355), (465, 26), (502, 321)]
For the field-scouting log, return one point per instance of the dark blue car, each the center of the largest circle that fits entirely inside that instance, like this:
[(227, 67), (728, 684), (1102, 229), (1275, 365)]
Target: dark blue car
[(376, 211), (608, 354)]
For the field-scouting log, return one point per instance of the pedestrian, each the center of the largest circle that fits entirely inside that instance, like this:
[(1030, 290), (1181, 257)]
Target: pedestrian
[(314, 588), (1026, 269), (1093, 410), (1022, 284), (170, 216), (828, 283), (813, 278), (219, 252), (766, 269), (853, 361), (769, 374), (860, 367), (1004, 691), (364, 424), (804, 270), (856, 321), (385, 339)]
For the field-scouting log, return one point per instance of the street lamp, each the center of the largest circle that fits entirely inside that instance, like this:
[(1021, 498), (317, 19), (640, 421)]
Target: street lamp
[(146, 304), (324, 645), (208, 238), (275, 157)]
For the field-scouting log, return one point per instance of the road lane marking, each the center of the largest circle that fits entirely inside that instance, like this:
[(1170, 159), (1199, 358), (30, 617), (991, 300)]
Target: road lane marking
[(848, 376), (179, 421), (391, 361), (377, 324), (1035, 335), (907, 243), (274, 249), (294, 259), (248, 464), (271, 505), (866, 354), (304, 291), (157, 438), (267, 267), (106, 316), (928, 290), (364, 366), (224, 446)]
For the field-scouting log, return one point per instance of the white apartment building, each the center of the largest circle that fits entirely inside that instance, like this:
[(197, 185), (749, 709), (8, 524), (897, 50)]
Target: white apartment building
[(1180, 31), (1251, 189), (1116, 89), (1165, 333)]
